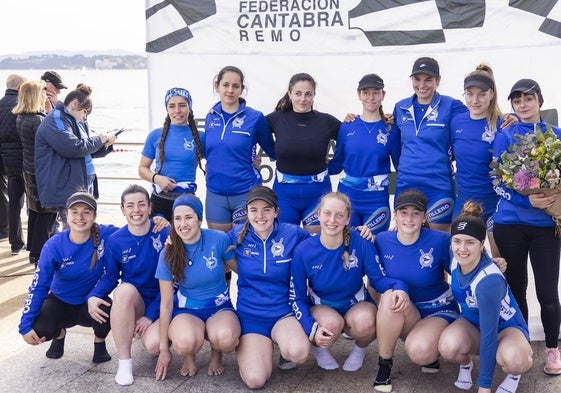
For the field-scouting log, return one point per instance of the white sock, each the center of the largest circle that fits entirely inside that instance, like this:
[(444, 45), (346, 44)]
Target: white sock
[(124, 373), (355, 359), (509, 384), (324, 358), (464, 376)]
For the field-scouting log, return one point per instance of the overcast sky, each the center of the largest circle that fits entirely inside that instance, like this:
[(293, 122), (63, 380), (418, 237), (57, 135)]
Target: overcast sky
[(74, 25)]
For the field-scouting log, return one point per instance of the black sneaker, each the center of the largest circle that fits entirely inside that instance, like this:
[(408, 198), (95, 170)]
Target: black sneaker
[(286, 364), (17, 251), (383, 381), (432, 368), (56, 350)]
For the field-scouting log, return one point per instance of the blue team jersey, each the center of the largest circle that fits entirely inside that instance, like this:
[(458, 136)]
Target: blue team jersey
[(64, 269), (420, 265), (487, 302), (204, 284), (425, 162), (133, 260), (231, 146), (513, 207), (264, 269), (329, 280), (180, 159)]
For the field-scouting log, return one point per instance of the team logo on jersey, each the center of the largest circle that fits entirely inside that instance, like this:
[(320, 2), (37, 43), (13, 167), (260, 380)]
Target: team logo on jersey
[(382, 137), (238, 122), (101, 249), (404, 119), (277, 249), (471, 300), (353, 260), (433, 115), (157, 243), (221, 299), (188, 145), (211, 262), (426, 259), (488, 135)]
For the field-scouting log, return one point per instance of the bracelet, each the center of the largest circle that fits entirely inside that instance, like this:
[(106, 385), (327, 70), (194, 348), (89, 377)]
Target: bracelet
[(153, 177)]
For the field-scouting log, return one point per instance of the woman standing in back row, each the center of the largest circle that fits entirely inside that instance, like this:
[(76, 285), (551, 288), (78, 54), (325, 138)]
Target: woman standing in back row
[(302, 137)]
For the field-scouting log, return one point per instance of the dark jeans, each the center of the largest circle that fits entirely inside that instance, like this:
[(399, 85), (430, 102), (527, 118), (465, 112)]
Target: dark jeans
[(16, 196), (56, 315), (3, 202), (515, 242), (39, 226)]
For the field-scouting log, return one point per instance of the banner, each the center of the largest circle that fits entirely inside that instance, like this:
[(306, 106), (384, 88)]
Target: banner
[(338, 41)]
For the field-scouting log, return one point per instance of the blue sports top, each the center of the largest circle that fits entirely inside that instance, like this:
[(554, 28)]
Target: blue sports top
[(133, 260), (324, 272), (231, 146), (426, 147), (264, 269), (64, 270), (180, 158), (487, 302), (513, 207), (204, 285), (420, 265)]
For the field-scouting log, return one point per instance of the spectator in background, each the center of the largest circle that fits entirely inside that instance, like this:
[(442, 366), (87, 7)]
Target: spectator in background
[(3, 201), (12, 157), (30, 112), (54, 85), (60, 148)]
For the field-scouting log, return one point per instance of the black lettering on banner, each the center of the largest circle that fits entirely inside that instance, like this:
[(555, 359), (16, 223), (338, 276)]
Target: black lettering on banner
[(295, 35)]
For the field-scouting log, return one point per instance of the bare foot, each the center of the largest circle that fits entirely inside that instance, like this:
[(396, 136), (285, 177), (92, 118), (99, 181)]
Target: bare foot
[(215, 367), (189, 367)]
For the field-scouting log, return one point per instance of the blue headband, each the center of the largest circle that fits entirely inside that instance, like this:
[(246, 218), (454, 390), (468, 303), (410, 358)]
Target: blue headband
[(193, 202), (179, 91)]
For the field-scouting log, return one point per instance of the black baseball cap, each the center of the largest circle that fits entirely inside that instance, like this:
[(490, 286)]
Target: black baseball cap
[(526, 86), (54, 78), (426, 65), (82, 197), (478, 80), (263, 193), (370, 81), (413, 198)]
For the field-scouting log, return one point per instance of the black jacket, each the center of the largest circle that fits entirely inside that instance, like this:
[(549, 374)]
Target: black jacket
[(10, 144)]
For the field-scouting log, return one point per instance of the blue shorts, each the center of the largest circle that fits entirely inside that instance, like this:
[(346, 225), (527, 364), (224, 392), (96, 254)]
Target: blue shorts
[(221, 209), (489, 204), (440, 205), (450, 312), (369, 208), (261, 325), (298, 203), (203, 313)]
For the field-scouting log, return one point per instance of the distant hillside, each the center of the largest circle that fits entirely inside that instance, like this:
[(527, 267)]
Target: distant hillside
[(69, 62)]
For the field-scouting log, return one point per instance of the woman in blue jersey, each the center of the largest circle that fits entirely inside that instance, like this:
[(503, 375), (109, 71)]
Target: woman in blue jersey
[(490, 324), (522, 227), (425, 163), (473, 134), (302, 137), (177, 148), (132, 258), (201, 307), (328, 292), (233, 131), (264, 249), (363, 152), (420, 258), (70, 265)]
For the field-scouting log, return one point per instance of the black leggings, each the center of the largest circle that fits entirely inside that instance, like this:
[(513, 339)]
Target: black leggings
[(515, 242), (56, 315)]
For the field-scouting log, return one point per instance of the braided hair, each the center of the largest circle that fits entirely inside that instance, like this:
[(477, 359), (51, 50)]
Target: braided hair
[(95, 236), (346, 230)]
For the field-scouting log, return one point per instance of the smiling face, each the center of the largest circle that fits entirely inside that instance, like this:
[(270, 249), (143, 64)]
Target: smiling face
[(333, 215), (80, 218), (409, 220), (478, 101), (467, 251), (371, 99), (261, 216), (229, 88), (424, 86), (178, 110), (302, 96), (527, 107), (136, 209), (186, 224)]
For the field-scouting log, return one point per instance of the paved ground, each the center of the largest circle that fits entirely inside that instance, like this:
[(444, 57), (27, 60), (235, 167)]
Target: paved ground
[(26, 369)]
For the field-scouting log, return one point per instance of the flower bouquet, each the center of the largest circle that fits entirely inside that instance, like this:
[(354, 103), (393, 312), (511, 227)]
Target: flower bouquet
[(531, 166)]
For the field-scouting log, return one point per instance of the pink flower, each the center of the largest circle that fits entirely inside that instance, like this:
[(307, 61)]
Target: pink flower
[(534, 183)]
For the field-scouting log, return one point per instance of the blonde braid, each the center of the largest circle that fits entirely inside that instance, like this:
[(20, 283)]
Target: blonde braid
[(95, 237)]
